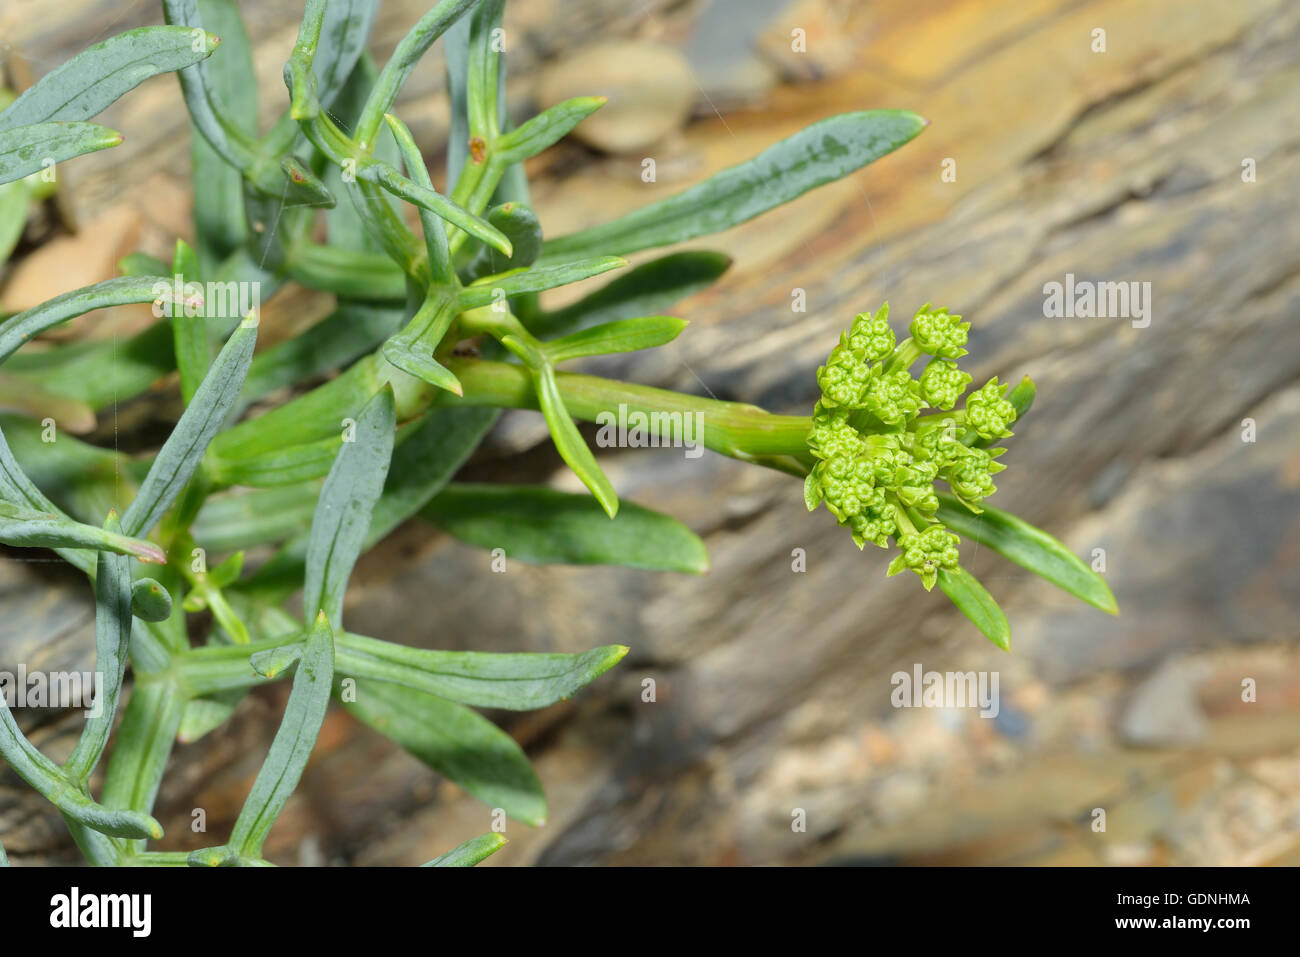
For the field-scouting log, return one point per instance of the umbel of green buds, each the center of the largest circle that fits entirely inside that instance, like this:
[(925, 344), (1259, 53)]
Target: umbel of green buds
[(878, 457)]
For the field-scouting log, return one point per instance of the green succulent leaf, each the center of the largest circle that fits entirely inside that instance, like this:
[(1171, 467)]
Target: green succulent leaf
[(514, 682), (87, 84), (290, 465), (293, 744), (644, 290), (25, 326), (435, 235), (508, 285), (545, 129), (113, 623), (564, 433), (181, 454), (825, 151), (29, 528), (459, 744), (220, 224), (399, 66), (1031, 548), (414, 362), (544, 526), (623, 335), (973, 600), (472, 852), (189, 333), (342, 516)]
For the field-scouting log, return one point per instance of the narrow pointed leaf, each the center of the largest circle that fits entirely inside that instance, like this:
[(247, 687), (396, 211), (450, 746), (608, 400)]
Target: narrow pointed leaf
[(113, 623), (818, 154), (625, 335), (28, 149), (303, 715), (290, 465), (435, 234), (28, 528), (544, 526), (343, 39), (564, 433), (537, 279), (189, 333), (644, 290), (180, 455), (87, 84), (25, 326), (342, 517), (426, 198), (473, 851), (220, 220), (399, 66), (459, 744), (424, 367), (973, 600), (545, 129), (1029, 547), (515, 682)]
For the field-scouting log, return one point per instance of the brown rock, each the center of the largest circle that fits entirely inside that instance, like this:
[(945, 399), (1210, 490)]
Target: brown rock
[(649, 85)]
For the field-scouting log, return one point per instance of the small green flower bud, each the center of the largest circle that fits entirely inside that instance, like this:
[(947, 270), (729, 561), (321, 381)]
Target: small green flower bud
[(970, 475), (942, 383), (926, 552), (845, 378), (847, 486), (874, 524), (988, 412), (870, 337), (832, 436), (937, 442), (893, 397), (938, 333)]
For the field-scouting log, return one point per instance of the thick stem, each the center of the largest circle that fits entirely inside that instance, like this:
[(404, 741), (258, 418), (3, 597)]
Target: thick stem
[(731, 428)]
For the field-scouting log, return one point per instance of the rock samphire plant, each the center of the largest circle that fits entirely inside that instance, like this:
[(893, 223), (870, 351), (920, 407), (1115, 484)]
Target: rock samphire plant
[(316, 448)]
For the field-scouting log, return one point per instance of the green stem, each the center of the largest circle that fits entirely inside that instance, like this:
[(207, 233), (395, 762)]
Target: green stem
[(732, 428)]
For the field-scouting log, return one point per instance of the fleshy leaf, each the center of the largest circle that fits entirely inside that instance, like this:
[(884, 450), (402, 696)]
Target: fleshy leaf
[(1031, 548), (342, 516), (545, 526), (973, 600), (515, 682), (87, 84), (472, 852), (825, 151), (180, 455), (456, 742)]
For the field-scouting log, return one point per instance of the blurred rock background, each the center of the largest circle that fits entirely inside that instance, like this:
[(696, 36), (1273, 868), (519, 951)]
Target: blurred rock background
[(773, 686)]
